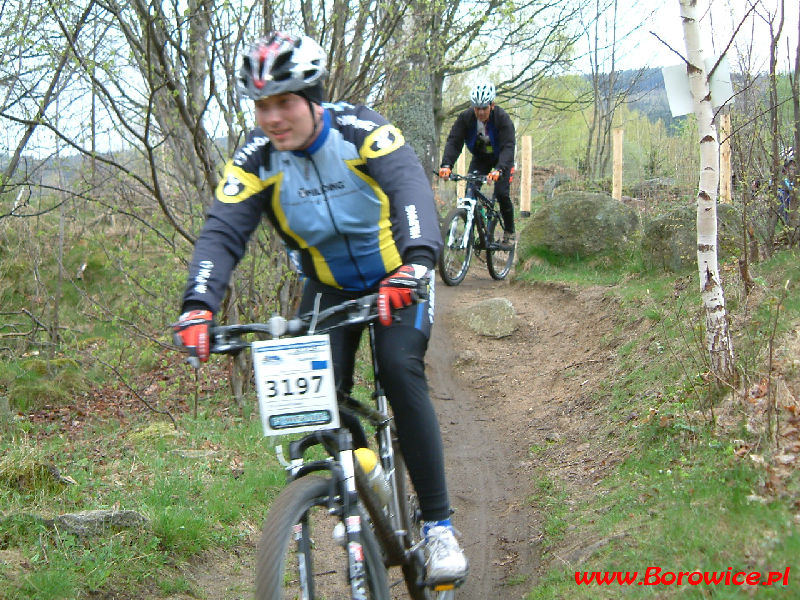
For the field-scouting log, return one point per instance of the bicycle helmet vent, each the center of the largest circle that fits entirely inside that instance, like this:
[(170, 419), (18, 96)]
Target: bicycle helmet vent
[(281, 63), (482, 95)]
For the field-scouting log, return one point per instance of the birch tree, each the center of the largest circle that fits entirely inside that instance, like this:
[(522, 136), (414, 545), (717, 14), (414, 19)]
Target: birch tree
[(718, 340)]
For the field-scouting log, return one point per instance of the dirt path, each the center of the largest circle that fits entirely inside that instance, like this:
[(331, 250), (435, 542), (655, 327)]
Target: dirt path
[(499, 398)]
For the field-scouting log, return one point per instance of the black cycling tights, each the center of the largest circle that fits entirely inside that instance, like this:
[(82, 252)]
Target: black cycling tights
[(502, 191), (400, 350)]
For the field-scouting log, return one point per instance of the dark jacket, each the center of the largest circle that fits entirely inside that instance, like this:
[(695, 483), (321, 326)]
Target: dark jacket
[(500, 129)]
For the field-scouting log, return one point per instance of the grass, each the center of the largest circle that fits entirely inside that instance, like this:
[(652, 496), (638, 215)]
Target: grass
[(204, 486), (683, 499)]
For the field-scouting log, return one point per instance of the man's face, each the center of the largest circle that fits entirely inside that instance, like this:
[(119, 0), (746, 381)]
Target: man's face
[(483, 112), (287, 121)]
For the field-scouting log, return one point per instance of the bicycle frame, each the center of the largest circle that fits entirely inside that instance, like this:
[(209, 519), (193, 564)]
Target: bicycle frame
[(474, 224), (391, 526), (338, 444)]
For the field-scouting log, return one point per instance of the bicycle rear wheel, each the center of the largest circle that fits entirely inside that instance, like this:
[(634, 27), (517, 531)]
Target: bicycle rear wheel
[(499, 256), (414, 570), (298, 555), (456, 254)]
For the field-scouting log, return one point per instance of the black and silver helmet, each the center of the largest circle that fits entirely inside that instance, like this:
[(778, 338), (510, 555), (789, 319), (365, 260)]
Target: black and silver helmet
[(281, 63)]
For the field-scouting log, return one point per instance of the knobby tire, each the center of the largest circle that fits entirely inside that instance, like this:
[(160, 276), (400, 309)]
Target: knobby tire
[(278, 570), (499, 261), (454, 259)]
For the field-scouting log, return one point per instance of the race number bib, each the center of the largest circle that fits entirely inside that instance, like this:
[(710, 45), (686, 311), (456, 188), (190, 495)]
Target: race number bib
[(294, 381)]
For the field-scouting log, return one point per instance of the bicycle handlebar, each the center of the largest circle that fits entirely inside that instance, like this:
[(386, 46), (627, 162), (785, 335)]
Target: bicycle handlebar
[(469, 177), (227, 339)]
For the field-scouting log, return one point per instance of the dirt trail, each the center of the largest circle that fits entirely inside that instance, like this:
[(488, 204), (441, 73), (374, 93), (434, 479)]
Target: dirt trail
[(498, 398)]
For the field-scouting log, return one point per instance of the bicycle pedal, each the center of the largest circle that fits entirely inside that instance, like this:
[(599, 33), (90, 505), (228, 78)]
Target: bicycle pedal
[(444, 586), (339, 534)]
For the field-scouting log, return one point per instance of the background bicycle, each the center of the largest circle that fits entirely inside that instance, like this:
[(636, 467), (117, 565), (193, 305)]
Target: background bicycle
[(474, 225), (338, 525)]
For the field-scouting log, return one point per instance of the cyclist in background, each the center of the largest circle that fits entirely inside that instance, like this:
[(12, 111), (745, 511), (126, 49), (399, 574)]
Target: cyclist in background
[(489, 134), (348, 196)]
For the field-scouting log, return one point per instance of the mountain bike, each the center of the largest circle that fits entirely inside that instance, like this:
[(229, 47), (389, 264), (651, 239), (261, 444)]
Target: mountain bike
[(474, 225), (329, 534)]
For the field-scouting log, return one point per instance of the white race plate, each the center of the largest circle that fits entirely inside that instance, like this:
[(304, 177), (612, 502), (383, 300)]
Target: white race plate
[(294, 381)]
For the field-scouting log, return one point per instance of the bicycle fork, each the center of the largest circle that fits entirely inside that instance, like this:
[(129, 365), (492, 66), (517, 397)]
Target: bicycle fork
[(469, 205), (339, 444)]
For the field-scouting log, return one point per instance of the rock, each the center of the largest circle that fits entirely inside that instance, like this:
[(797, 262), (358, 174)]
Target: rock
[(494, 317), (669, 241), (92, 522), (578, 224)]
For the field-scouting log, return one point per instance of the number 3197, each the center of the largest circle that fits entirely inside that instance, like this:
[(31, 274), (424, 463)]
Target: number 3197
[(293, 387)]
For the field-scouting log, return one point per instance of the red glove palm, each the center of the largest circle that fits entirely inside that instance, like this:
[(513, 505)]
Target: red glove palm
[(493, 175), (191, 330), (398, 290), (444, 172)]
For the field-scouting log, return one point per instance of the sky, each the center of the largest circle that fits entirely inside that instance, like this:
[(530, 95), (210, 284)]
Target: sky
[(719, 20)]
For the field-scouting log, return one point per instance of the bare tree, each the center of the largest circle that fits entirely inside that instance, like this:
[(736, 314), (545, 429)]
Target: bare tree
[(718, 339), (408, 96), (609, 91), (19, 90)]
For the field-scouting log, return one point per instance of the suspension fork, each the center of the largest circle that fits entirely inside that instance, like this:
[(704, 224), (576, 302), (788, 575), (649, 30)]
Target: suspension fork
[(470, 205)]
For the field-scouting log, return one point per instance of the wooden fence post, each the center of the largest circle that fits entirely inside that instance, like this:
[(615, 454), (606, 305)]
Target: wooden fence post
[(616, 181), (725, 159), (525, 176), (461, 168)]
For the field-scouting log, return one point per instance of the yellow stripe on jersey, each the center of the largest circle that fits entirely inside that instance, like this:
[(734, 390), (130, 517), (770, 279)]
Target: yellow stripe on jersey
[(389, 254), (382, 141), (237, 184), (320, 266)]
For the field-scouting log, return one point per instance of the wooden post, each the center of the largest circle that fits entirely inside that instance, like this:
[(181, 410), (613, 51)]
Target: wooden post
[(461, 169), (525, 176), (725, 159), (616, 181)]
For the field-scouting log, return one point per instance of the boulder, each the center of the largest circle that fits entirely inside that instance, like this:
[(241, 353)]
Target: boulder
[(579, 224), (669, 241), (493, 318)]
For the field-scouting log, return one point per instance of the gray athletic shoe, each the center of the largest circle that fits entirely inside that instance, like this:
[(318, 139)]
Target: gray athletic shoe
[(445, 558)]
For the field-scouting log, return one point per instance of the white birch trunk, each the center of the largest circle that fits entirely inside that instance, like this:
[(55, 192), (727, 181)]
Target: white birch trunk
[(718, 341)]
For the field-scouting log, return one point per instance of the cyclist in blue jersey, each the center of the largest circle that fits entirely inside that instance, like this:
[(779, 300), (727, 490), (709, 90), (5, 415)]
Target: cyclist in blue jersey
[(488, 133), (349, 197)]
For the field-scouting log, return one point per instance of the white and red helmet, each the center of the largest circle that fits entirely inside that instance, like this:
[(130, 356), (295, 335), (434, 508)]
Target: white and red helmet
[(281, 63)]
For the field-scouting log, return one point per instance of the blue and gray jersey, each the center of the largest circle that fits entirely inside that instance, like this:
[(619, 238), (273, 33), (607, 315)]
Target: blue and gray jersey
[(354, 206)]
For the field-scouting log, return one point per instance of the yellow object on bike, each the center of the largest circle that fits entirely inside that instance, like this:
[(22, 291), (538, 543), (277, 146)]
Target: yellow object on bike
[(366, 458), (371, 466)]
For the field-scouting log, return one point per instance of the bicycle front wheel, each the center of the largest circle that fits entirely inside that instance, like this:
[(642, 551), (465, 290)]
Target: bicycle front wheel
[(499, 256), (302, 555), (457, 251)]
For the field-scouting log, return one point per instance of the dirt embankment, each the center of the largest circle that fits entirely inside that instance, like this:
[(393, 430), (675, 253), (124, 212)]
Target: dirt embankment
[(500, 398)]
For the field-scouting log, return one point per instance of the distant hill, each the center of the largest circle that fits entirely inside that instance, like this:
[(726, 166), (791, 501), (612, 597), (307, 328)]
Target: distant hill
[(648, 95)]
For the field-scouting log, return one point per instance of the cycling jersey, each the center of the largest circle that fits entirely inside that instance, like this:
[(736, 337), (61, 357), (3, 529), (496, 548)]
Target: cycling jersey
[(354, 206)]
